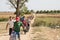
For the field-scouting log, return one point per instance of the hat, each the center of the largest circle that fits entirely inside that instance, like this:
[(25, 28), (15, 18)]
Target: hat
[(17, 18)]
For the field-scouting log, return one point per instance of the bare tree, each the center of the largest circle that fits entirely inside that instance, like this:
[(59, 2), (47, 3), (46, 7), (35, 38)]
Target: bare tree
[(18, 4)]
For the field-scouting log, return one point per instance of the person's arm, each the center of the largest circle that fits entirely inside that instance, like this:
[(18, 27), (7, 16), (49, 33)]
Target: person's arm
[(22, 25), (13, 27), (7, 26)]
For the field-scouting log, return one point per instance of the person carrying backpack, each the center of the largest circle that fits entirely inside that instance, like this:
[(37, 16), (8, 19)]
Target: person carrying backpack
[(28, 24), (10, 24), (25, 26)]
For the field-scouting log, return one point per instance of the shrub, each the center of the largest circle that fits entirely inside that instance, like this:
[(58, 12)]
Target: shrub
[(52, 25), (39, 23), (48, 22), (3, 19)]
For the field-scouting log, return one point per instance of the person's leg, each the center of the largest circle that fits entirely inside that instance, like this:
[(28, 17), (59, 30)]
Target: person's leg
[(10, 31), (25, 30), (18, 35), (28, 27)]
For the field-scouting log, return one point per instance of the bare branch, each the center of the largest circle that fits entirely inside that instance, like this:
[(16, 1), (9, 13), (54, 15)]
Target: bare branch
[(18, 5), (12, 3), (22, 4)]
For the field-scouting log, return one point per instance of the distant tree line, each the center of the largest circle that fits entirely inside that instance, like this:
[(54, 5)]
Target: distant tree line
[(48, 11)]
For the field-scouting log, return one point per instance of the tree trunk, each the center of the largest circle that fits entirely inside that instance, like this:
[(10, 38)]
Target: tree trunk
[(17, 9)]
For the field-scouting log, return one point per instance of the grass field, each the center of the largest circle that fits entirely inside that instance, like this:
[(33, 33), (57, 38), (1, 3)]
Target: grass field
[(42, 32), (50, 21), (45, 33), (3, 27), (45, 27), (6, 14)]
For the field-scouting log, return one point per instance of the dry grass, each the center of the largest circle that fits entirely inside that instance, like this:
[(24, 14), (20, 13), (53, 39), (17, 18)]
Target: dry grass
[(48, 15), (6, 14), (46, 33), (3, 24), (3, 27), (39, 33)]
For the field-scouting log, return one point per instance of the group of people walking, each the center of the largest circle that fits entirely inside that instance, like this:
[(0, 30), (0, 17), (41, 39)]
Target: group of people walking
[(15, 24)]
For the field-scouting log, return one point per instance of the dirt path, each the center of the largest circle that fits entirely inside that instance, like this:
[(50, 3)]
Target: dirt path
[(28, 36), (4, 36)]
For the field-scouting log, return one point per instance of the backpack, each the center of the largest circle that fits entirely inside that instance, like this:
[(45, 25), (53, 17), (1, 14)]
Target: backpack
[(25, 23)]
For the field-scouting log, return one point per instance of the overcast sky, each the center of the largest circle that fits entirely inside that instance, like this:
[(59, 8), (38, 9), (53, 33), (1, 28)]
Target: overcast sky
[(34, 4)]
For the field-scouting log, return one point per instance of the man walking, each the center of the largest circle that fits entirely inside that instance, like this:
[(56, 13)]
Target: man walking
[(10, 24), (17, 26)]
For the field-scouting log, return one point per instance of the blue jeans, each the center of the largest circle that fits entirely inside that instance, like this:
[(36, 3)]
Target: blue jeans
[(18, 34), (15, 35)]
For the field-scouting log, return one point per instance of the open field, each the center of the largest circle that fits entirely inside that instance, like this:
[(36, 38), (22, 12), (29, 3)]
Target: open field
[(40, 17), (41, 32), (4, 35), (6, 14), (45, 33), (44, 28), (46, 20), (50, 20), (48, 15), (3, 27)]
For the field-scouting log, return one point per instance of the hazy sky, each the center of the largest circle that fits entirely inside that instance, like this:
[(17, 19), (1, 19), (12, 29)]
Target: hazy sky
[(34, 4)]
